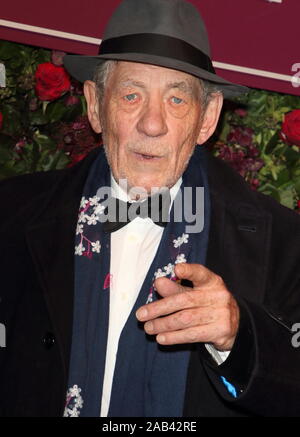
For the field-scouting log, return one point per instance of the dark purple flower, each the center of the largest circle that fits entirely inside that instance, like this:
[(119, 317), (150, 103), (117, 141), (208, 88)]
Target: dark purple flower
[(241, 112), (57, 57), (71, 100), (254, 183), (20, 145), (76, 87), (253, 151), (255, 165), (33, 104), (78, 125), (241, 135), (68, 139)]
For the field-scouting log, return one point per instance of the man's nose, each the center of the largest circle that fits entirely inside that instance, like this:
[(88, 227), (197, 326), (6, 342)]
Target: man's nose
[(152, 120)]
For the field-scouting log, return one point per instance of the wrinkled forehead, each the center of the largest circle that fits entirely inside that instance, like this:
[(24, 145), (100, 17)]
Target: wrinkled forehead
[(144, 75)]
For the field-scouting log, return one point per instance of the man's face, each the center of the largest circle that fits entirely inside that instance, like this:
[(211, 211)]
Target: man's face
[(151, 118)]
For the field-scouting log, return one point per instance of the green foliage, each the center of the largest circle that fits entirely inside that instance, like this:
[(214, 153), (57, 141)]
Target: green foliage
[(31, 137), (253, 123), (45, 135)]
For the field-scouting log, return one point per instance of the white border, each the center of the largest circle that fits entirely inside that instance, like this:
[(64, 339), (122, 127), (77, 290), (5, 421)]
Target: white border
[(49, 32), (254, 71), (90, 40)]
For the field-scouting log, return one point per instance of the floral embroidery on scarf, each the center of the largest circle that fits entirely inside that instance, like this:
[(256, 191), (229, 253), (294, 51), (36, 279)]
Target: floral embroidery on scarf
[(168, 270), (74, 402), (181, 240), (89, 212), (107, 281)]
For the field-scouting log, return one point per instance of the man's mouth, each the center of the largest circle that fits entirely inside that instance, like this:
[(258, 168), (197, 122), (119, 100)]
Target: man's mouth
[(147, 156)]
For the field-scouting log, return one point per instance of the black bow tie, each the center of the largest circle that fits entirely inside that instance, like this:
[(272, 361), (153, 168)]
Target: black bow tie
[(155, 207)]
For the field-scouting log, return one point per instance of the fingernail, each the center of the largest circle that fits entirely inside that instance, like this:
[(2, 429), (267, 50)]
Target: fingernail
[(149, 327), (180, 266), (141, 314), (161, 339)]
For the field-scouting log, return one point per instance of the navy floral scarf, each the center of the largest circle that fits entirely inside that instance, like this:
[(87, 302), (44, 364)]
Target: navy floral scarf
[(149, 379)]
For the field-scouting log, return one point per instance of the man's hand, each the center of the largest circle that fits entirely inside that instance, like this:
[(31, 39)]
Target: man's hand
[(206, 313)]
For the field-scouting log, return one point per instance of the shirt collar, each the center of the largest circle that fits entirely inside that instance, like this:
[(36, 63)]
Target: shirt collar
[(120, 193)]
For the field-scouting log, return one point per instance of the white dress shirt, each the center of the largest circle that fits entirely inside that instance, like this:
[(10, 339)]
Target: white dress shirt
[(133, 248)]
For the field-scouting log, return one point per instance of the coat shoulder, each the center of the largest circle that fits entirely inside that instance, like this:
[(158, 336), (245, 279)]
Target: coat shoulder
[(25, 195), (276, 226), (16, 189), (228, 186)]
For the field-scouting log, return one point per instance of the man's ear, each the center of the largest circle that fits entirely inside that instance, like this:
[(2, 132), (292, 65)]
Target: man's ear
[(90, 94), (210, 118)]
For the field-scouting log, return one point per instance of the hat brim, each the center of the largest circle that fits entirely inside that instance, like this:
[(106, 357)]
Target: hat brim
[(82, 68)]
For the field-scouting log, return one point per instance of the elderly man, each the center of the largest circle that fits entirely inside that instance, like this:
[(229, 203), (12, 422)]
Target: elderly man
[(150, 317)]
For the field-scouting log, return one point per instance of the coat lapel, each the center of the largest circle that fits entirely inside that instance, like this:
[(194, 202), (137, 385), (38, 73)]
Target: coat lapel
[(238, 251), (51, 246), (51, 238), (239, 243)]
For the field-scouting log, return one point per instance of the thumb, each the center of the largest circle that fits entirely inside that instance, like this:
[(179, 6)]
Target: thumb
[(196, 273), (167, 287)]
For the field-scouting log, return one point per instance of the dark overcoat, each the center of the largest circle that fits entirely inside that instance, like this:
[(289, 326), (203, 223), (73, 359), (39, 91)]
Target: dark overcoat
[(254, 245)]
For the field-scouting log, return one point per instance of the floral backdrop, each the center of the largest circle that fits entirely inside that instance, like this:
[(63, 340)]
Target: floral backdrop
[(43, 126)]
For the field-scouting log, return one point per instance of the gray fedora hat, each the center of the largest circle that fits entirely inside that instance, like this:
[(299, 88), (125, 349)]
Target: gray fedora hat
[(167, 33)]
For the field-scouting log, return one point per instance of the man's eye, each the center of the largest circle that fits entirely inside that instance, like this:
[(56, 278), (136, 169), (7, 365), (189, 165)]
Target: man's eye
[(131, 97), (176, 100)]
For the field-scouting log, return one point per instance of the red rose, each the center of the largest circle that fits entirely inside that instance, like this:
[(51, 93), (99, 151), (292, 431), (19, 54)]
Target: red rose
[(1, 120), (290, 129), (51, 81)]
